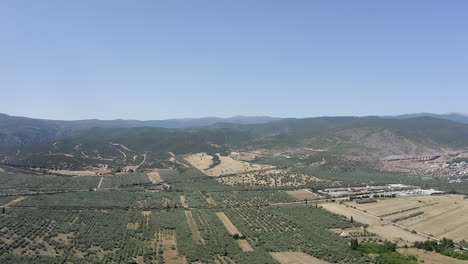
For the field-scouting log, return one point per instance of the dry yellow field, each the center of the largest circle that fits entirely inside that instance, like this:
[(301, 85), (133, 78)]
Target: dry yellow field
[(15, 201), (183, 201), (154, 177), (170, 253), (232, 229), (296, 258), (245, 156), (228, 165), (74, 173), (381, 228), (430, 257), (444, 215)]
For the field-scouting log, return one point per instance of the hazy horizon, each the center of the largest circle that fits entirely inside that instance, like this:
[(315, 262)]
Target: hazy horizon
[(235, 116), (172, 59)]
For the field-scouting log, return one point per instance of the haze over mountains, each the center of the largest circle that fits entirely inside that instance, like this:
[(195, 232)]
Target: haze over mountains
[(17, 131), (343, 140)]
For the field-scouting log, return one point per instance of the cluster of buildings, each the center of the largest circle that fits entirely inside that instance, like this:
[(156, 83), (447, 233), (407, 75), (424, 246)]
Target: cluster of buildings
[(389, 190)]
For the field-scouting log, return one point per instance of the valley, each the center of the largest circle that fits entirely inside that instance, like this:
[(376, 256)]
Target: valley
[(250, 194)]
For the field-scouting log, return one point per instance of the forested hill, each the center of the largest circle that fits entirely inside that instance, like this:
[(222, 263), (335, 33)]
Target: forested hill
[(17, 131), (424, 134)]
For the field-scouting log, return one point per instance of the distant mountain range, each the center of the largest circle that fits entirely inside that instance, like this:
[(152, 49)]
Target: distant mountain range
[(18, 131), (347, 141), (457, 117)]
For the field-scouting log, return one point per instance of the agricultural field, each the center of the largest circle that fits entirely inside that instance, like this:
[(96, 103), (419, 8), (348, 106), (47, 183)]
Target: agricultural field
[(439, 216), (218, 165), (125, 180), (272, 178), (384, 230), (185, 215), (41, 182), (296, 258), (250, 198), (430, 257)]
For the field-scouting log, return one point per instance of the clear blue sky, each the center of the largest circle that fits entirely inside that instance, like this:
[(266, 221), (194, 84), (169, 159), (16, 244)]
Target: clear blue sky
[(166, 59)]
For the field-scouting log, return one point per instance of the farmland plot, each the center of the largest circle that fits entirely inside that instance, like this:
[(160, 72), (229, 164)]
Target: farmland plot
[(430, 257), (381, 228), (250, 198), (193, 227), (232, 229), (227, 165), (171, 255), (293, 229), (443, 216)]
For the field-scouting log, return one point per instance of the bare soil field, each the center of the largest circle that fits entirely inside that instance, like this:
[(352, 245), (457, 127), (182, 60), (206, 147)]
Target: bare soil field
[(381, 228), (15, 201), (73, 173), (100, 182), (244, 244), (183, 201), (444, 215), (211, 202), (2, 170), (193, 227), (228, 165), (133, 225), (296, 258), (170, 253), (245, 156), (303, 194), (154, 176), (232, 229), (430, 257)]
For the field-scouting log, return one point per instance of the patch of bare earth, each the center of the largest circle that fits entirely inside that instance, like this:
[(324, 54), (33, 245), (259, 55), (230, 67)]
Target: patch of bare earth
[(303, 194), (133, 225), (430, 257), (232, 229), (296, 258), (2, 170), (193, 227), (140, 260), (169, 242), (211, 202), (183, 201), (73, 173), (15, 201), (154, 176)]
